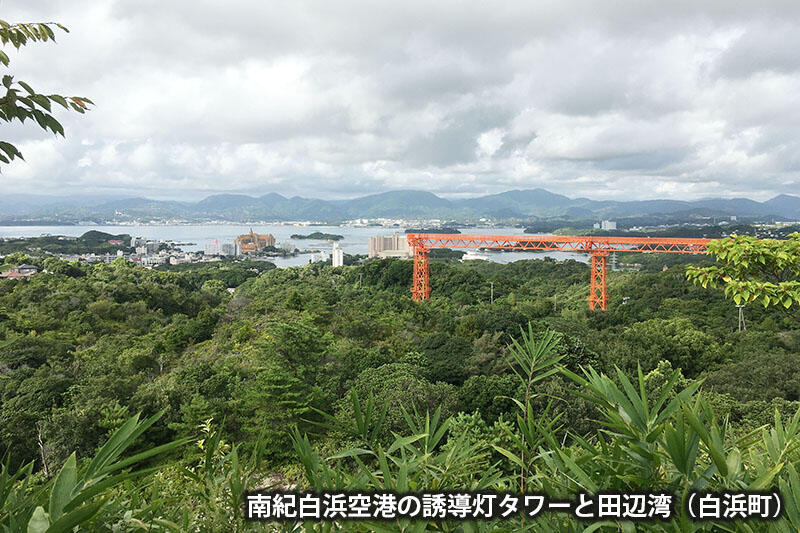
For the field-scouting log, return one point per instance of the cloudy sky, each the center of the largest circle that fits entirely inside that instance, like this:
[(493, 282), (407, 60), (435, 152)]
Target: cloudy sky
[(678, 99)]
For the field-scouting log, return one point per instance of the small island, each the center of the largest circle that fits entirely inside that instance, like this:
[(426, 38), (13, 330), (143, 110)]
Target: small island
[(319, 236)]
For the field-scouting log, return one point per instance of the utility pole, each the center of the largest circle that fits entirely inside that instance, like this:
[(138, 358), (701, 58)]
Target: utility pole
[(491, 292), (742, 325)]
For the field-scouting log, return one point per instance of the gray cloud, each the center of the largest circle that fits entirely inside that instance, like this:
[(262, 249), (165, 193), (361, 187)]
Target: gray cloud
[(614, 99)]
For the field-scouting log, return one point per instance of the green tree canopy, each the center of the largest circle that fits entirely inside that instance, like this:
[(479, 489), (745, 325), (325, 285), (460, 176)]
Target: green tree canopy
[(754, 270)]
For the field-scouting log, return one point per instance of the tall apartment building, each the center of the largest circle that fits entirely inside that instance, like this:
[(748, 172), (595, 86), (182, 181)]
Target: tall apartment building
[(211, 247), (394, 246), (337, 255), (214, 247)]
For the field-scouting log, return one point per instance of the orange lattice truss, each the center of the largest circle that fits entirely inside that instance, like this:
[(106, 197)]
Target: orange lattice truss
[(597, 247)]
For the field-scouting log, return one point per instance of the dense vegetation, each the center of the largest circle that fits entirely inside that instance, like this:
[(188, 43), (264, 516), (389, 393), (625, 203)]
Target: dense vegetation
[(231, 271), (267, 383)]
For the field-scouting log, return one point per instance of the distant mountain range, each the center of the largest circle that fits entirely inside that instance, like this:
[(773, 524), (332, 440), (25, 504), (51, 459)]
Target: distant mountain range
[(408, 204)]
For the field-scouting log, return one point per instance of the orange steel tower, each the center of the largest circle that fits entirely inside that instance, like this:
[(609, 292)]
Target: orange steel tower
[(597, 281), (597, 247), (422, 275)]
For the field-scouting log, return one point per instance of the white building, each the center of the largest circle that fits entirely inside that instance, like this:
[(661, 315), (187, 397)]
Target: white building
[(153, 260), (178, 259), (316, 257), (337, 255), (394, 246), (212, 247), (608, 225)]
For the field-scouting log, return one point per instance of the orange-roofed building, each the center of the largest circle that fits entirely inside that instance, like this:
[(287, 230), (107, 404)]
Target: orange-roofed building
[(253, 242)]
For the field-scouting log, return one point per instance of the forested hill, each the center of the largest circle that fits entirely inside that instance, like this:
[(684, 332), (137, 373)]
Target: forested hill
[(82, 348), (90, 242)]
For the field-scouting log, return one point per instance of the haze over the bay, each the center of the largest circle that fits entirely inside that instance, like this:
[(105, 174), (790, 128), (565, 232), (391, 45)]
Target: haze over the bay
[(608, 100)]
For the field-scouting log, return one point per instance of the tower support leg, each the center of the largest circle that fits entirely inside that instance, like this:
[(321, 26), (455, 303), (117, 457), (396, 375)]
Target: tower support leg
[(597, 282), (421, 289)]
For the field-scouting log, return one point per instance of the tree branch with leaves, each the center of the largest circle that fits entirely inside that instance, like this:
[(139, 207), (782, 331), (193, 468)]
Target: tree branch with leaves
[(21, 102), (752, 270)]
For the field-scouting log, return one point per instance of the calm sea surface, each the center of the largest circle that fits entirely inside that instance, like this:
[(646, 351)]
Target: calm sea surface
[(355, 239)]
